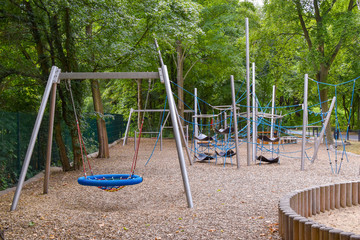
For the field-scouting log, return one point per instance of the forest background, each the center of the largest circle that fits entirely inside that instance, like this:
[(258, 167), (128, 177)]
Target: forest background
[(202, 42)]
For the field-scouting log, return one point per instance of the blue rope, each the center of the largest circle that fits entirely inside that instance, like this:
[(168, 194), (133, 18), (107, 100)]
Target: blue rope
[(322, 121), (334, 85), (351, 105), (162, 120)]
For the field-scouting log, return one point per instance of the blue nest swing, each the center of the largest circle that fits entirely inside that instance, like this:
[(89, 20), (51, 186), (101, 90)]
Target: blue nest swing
[(110, 182)]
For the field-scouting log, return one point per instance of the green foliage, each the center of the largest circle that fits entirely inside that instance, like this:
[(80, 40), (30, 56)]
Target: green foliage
[(15, 133), (116, 35)]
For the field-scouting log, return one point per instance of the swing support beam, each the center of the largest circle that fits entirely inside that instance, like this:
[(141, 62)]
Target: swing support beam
[(109, 75)]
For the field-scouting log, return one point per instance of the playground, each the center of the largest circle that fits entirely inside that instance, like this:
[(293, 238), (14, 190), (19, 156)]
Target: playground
[(229, 203)]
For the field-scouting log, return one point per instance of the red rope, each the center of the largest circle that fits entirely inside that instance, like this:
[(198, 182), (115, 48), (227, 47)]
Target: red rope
[(82, 145), (82, 158), (81, 140)]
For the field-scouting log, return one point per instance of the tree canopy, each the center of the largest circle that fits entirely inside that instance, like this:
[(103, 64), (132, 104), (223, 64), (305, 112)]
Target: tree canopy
[(202, 41)]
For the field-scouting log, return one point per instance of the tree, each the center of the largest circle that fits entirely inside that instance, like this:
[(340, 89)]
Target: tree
[(326, 26), (99, 109), (50, 33), (221, 48), (180, 27)]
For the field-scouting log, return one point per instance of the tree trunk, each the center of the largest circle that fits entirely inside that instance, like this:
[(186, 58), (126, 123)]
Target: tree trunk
[(140, 102), (71, 65), (45, 66), (76, 146), (99, 110), (71, 123), (180, 78), (61, 146), (40, 48), (100, 122), (321, 76)]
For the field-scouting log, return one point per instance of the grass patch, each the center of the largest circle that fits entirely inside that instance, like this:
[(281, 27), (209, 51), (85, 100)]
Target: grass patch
[(354, 147)]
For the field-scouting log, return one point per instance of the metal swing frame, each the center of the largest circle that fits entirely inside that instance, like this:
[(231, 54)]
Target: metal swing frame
[(54, 79)]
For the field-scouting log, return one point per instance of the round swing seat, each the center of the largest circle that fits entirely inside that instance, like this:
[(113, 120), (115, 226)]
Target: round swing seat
[(110, 182)]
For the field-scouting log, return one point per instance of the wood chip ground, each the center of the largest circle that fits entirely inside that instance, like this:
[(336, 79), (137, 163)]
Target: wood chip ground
[(229, 203)]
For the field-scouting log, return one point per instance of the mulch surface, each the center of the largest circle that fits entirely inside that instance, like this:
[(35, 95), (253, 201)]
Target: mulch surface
[(229, 203)]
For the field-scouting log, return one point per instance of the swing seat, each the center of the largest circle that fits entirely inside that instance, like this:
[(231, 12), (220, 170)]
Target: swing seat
[(224, 131), (229, 153), (268, 160), (110, 182), (203, 137), (204, 156), (268, 139)]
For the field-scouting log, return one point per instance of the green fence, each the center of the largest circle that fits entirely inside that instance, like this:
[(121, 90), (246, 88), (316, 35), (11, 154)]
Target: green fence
[(15, 133)]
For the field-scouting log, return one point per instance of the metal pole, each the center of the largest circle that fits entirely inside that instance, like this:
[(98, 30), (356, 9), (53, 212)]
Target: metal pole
[(256, 114), (167, 116), (162, 128), (50, 138), (225, 126), (254, 142), (177, 137), (248, 102), (327, 119), (235, 120), (196, 127), (305, 118), (161, 135), (54, 74), (181, 129), (128, 126), (272, 120)]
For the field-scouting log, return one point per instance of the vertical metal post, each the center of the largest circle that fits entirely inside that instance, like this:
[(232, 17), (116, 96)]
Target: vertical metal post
[(162, 129), (128, 127), (161, 135), (272, 119), (225, 126), (254, 125), (54, 74), (177, 136), (50, 138), (196, 127), (248, 103), (305, 118), (235, 120), (187, 133)]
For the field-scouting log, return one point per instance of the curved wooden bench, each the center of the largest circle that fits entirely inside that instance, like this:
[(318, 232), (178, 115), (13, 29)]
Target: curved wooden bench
[(296, 207)]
